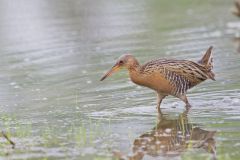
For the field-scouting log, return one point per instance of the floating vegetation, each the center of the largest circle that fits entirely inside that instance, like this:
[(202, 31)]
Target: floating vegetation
[(81, 139)]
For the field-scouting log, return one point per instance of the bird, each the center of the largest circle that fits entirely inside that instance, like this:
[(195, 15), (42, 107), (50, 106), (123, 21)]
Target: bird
[(167, 76)]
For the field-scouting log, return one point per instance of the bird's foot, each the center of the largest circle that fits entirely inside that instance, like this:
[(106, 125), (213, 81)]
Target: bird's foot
[(159, 110)]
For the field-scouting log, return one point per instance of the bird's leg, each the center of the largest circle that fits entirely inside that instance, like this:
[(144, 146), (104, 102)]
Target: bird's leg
[(159, 101), (185, 100)]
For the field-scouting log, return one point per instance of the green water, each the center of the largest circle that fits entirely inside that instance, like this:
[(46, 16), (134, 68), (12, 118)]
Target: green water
[(53, 54)]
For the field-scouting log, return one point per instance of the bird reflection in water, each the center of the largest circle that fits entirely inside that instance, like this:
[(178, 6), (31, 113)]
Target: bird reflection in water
[(169, 138)]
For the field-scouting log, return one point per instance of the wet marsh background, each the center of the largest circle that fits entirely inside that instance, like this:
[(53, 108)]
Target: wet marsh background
[(53, 53)]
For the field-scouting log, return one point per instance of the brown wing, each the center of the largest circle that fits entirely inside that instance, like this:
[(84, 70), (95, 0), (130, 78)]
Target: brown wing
[(181, 74)]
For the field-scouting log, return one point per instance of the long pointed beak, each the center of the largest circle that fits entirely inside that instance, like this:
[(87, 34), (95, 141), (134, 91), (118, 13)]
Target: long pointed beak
[(115, 68)]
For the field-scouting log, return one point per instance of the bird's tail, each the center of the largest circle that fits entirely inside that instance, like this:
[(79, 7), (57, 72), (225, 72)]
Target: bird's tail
[(207, 62)]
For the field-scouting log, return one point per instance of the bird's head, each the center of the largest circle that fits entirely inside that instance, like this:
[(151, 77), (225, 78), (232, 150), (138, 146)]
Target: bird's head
[(125, 61)]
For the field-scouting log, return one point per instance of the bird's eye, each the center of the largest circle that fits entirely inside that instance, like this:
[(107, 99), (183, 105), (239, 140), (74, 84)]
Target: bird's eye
[(121, 62)]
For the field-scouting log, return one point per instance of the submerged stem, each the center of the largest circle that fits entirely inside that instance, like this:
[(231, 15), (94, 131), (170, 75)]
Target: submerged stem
[(8, 139)]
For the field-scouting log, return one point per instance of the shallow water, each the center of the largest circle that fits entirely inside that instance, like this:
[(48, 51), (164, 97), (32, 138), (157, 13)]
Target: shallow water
[(53, 54)]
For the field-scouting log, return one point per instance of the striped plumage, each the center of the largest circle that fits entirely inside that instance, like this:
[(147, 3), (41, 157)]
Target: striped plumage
[(181, 74), (167, 77)]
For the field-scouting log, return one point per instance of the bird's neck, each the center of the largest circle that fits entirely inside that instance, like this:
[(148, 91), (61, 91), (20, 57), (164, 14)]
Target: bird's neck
[(135, 73), (133, 65), (134, 68)]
